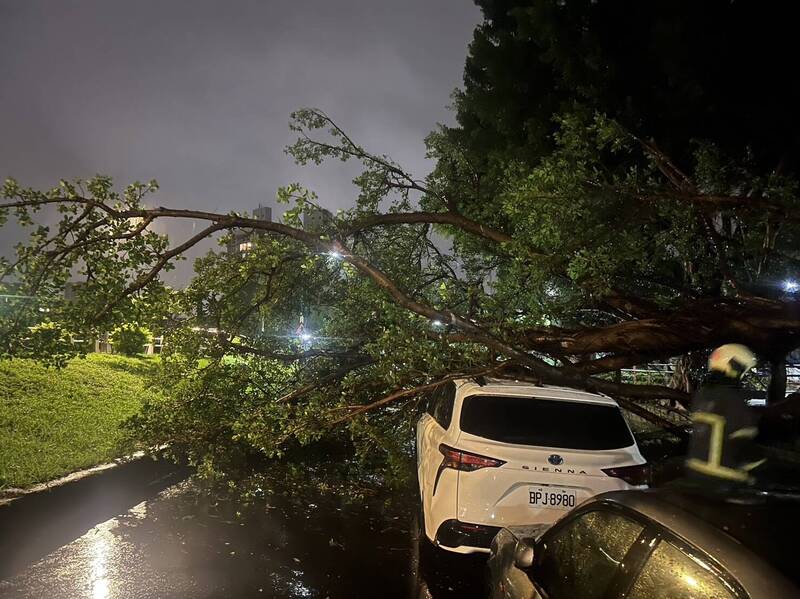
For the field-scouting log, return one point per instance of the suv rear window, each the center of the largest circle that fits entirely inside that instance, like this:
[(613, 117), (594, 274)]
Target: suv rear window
[(545, 422)]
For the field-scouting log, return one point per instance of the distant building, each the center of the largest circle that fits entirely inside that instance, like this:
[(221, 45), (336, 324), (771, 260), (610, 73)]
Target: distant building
[(263, 213), (72, 289), (242, 239), (316, 219)]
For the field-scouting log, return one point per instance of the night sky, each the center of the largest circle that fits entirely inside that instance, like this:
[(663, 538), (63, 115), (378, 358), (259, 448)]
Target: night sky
[(197, 94)]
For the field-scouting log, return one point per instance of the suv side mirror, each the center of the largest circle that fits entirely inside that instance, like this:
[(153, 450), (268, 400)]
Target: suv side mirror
[(523, 554)]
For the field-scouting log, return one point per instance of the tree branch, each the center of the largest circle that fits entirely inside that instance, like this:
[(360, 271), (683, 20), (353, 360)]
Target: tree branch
[(325, 380), (405, 393), (442, 218)]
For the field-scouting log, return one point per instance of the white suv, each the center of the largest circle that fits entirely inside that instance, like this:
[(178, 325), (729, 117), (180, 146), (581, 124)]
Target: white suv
[(507, 453)]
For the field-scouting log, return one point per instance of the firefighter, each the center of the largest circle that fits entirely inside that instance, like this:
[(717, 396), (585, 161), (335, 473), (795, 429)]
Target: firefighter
[(721, 450)]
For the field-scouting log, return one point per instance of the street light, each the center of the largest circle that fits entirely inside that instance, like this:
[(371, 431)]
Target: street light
[(790, 285), (306, 336)]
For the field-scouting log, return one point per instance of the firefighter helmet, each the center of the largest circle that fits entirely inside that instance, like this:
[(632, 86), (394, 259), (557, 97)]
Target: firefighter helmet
[(732, 359)]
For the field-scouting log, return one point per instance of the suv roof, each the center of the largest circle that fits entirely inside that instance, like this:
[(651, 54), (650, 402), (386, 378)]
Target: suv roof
[(521, 388), (729, 528)]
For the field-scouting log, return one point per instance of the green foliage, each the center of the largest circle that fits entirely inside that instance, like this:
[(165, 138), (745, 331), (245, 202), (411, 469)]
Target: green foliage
[(50, 341), (592, 160), (662, 69), (95, 234), (130, 338), (57, 421)]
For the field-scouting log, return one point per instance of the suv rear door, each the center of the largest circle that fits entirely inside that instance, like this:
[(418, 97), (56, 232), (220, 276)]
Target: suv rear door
[(547, 445)]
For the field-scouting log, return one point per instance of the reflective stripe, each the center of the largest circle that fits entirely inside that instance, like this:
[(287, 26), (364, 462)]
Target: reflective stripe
[(717, 471), (714, 467), (747, 432), (752, 465), (717, 424)]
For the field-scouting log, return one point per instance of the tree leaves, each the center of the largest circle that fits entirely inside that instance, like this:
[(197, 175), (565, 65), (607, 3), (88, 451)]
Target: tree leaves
[(555, 238)]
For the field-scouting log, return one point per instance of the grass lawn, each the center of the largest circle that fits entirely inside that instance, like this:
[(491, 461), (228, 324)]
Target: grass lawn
[(54, 422)]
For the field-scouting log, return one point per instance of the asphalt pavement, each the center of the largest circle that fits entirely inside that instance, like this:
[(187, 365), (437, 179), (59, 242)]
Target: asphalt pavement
[(141, 534)]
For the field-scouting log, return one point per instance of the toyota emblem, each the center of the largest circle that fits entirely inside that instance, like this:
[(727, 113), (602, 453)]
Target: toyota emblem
[(555, 459)]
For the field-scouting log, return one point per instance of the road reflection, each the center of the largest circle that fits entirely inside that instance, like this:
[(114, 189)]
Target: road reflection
[(188, 542), (98, 572)]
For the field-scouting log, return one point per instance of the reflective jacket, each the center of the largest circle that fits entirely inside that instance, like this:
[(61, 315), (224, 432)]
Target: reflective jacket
[(722, 447)]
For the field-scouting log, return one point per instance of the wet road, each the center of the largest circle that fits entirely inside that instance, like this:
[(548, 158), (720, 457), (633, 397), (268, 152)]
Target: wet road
[(185, 541)]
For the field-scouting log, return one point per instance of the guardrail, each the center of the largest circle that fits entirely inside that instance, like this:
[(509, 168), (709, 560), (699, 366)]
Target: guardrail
[(103, 346), (660, 374)]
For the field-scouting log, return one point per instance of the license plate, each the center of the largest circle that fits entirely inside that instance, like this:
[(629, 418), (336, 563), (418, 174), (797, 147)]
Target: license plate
[(552, 497)]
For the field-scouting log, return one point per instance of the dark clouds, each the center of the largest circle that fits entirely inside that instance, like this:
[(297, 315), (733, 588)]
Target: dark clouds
[(197, 93)]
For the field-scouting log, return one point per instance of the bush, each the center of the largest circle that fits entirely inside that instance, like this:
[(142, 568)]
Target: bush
[(130, 338), (51, 340)]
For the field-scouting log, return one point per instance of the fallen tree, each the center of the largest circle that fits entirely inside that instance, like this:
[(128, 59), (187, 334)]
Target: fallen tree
[(121, 259), (595, 253)]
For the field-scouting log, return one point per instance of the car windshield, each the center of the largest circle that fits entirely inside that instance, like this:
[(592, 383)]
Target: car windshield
[(545, 422)]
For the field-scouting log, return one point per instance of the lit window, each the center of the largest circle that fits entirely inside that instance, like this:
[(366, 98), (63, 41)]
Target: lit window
[(245, 246)]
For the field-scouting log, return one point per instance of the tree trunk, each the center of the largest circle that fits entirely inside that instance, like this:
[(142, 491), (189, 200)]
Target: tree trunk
[(777, 380), (688, 372)]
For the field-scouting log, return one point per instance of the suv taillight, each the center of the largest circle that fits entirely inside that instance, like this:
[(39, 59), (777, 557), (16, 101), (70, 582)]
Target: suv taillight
[(633, 475), (465, 461)]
